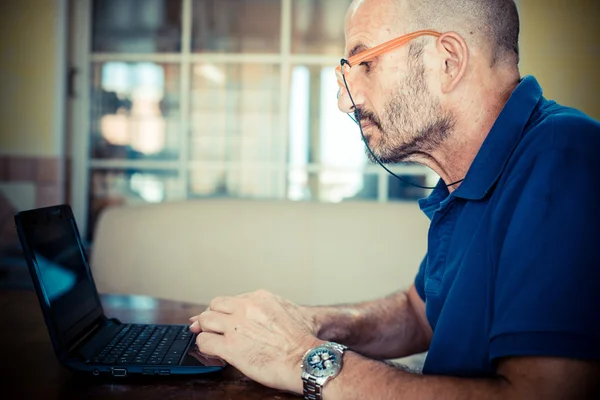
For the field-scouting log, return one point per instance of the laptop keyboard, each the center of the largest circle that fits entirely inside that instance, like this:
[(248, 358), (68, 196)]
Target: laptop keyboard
[(146, 344)]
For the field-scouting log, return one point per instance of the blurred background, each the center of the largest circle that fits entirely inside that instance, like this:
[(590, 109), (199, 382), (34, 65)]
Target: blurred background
[(108, 102)]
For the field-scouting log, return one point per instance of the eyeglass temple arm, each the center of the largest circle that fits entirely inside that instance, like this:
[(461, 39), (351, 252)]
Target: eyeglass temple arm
[(387, 46)]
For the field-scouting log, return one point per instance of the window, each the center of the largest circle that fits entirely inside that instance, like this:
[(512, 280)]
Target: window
[(216, 98)]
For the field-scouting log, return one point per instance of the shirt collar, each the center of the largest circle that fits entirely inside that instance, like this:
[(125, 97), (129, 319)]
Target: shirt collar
[(495, 150), (500, 142), (432, 203)]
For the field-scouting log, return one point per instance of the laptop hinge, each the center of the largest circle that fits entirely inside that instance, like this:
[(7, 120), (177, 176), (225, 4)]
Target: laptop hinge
[(94, 329)]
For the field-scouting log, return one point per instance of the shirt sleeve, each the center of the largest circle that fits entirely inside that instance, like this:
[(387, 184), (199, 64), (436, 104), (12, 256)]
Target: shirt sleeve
[(547, 290), (420, 279)]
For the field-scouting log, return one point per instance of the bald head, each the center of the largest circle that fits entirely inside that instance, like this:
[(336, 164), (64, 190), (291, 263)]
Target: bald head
[(492, 25), (428, 101)]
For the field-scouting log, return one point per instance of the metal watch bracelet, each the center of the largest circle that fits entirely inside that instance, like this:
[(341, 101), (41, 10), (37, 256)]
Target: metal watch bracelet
[(312, 390)]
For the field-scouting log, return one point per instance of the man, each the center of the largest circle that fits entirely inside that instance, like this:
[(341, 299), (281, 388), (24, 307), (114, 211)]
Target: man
[(507, 300)]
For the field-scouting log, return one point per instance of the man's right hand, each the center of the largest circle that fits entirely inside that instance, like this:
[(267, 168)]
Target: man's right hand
[(304, 314), (391, 327)]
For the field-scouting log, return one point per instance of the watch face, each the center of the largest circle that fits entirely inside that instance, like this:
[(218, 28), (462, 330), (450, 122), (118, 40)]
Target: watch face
[(322, 361)]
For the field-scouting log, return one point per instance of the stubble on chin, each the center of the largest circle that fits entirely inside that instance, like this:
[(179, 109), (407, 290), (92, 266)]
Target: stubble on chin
[(410, 126)]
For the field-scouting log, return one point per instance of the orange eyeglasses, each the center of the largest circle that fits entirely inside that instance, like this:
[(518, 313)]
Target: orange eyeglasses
[(370, 54)]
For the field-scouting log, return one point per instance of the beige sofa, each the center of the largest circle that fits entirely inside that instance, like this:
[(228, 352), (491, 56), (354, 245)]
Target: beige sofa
[(310, 253)]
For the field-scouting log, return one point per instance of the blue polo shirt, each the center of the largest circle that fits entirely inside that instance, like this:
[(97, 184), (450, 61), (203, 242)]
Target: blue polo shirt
[(513, 259)]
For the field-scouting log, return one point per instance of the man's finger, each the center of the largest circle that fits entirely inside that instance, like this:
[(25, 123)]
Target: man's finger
[(225, 305), (195, 327), (211, 344), (213, 321), (194, 318)]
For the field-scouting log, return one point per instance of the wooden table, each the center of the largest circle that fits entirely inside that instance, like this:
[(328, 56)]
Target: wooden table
[(30, 370)]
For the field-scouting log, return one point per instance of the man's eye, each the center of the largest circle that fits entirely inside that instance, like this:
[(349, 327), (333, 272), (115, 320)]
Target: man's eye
[(366, 64)]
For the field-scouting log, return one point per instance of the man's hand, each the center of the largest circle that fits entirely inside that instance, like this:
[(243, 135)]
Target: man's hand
[(262, 335)]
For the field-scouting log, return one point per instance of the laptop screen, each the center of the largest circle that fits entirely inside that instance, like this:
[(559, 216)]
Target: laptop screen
[(61, 270)]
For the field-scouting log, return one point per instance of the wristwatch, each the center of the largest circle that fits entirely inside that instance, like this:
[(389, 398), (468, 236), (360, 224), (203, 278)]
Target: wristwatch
[(319, 365)]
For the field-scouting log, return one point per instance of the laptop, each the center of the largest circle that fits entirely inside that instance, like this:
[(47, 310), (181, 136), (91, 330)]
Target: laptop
[(83, 337)]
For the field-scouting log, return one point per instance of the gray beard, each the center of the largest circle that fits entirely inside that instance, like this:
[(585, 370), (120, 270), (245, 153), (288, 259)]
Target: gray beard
[(412, 112), (424, 142)]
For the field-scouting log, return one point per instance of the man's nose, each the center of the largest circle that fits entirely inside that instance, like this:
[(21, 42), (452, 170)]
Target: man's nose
[(344, 103)]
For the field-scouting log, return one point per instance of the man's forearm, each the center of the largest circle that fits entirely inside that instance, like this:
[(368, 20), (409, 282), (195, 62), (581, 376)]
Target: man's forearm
[(517, 379), (363, 379), (383, 328)]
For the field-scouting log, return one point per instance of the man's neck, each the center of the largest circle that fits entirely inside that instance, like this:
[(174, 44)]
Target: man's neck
[(475, 116)]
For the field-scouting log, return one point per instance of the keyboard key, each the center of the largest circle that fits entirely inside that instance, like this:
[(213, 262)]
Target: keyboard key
[(146, 344)]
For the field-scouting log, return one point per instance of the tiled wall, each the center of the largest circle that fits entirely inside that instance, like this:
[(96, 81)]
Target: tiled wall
[(8, 235), (41, 175), (42, 172)]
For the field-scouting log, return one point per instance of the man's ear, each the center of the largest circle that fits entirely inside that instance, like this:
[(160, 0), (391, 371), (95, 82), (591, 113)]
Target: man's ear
[(455, 58)]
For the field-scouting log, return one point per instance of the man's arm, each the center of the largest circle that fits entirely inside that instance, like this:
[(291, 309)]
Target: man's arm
[(391, 327), (518, 378), (265, 338)]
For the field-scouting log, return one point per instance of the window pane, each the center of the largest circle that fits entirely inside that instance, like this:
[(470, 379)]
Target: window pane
[(116, 187), (331, 185), (236, 26), (136, 26), (319, 132), (318, 26), (398, 190), (235, 113), (246, 182), (135, 110)]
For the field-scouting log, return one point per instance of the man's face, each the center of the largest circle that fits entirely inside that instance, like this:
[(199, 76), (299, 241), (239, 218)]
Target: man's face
[(399, 115)]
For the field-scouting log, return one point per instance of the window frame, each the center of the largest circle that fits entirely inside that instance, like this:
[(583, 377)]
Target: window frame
[(80, 121)]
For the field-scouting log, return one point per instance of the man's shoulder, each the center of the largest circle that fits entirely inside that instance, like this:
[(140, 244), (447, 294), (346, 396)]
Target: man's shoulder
[(559, 140), (556, 127), (575, 130)]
